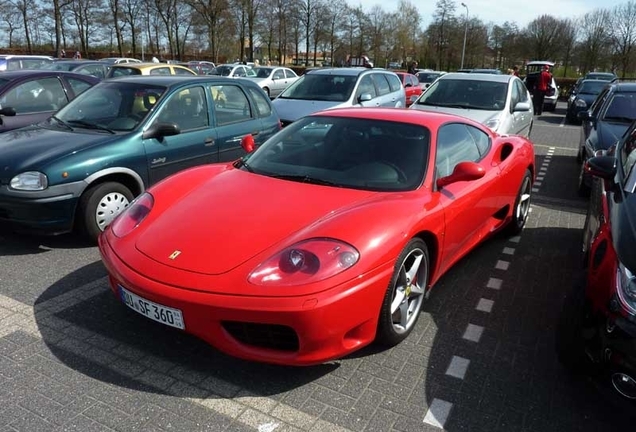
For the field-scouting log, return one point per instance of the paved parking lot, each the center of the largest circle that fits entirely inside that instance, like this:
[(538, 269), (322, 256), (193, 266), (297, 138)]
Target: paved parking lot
[(480, 359)]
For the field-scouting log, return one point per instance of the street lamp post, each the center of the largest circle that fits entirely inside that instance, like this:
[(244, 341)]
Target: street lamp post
[(465, 33)]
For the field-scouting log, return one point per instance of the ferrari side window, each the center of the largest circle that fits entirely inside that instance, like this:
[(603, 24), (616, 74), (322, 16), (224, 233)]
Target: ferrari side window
[(454, 145), (481, 139)]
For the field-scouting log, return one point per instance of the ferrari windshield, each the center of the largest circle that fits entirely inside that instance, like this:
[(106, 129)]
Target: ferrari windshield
[(321, 87), (346, 152), (462, 93), (114, 106)]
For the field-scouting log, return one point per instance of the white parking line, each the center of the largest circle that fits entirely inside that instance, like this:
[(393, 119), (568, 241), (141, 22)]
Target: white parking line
[(538, 183), (484, 305), (437, 413), (515, 239), (473, 333), (494, 283), (508, 251), (535, 189), (502, 265), (540, 177), (458, 367)]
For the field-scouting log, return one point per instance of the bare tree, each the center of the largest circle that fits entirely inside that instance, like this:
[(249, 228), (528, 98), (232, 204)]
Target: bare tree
[(623, 35), (595, 33), (307, 9), (211, 12), (9, 16), (408, 19), (569, 32), (25, 9), (543, 38), (444, 12), (335, 20)]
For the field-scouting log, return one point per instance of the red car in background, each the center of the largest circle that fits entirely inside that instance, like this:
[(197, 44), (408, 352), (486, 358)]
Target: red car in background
[(326, 238), (411, 86)]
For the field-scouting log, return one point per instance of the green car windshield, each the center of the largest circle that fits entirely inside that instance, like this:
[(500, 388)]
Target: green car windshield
[(111, 106)]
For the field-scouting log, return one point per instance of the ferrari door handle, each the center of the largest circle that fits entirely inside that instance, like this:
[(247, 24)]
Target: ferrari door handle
[(255, 133)]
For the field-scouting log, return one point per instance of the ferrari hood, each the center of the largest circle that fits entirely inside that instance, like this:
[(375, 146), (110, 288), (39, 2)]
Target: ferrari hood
[(293, 109), (234, 216), (33, 147)]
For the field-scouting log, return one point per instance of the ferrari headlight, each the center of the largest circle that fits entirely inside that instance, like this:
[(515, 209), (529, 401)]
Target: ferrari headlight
[(30, 181), (626, 282), (305, 262), (580, 103), (133, 215)]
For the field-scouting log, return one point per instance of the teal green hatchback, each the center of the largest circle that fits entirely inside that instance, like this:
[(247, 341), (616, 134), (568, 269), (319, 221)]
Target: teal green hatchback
[(80, 168)]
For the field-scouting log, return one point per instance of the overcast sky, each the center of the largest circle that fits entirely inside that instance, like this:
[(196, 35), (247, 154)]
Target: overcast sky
[(499, 11)]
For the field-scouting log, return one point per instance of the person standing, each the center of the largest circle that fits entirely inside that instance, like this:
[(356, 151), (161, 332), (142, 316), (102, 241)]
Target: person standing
[(413, 68), (515, 71), (541, 86)]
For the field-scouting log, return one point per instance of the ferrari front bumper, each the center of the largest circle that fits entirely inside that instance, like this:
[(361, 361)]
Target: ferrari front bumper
[(302, 330)]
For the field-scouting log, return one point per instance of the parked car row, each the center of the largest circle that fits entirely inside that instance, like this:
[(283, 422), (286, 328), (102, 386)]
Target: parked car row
[(94, 155)]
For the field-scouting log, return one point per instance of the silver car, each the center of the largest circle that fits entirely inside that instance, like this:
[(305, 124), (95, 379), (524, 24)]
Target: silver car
[(321, 89), (501, 102), (273, 79)]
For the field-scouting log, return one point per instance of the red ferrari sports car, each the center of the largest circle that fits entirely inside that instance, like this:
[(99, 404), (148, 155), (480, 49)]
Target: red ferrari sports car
[(326, 238)]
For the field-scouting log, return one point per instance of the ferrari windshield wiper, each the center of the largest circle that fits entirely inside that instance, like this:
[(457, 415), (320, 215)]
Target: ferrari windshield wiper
[(89, 125), (306, 179), (242, 163), (61, 122)]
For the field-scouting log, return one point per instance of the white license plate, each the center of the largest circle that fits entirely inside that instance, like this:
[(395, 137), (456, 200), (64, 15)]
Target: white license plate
[(163, 314)]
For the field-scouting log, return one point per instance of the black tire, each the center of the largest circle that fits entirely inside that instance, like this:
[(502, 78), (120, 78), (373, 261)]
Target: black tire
[(390, 332), (582, 189), (522, 206), (574, 322), (116, 196)]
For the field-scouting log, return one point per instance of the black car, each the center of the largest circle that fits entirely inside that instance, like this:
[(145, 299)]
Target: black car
[(596, 332), (96, 68), (604, 76), (604, 123), (582, 97), (31, 96)]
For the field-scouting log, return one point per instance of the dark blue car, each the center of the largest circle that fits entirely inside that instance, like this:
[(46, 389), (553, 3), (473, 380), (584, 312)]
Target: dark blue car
[(604, 124), (31, 96), (582, 97)]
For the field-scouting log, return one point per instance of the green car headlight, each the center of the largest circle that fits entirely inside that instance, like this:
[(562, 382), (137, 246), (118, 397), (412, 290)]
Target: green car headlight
[(29, 181)]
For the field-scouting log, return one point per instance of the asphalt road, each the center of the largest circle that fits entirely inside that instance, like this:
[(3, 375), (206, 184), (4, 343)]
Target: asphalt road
[(481, 357)]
